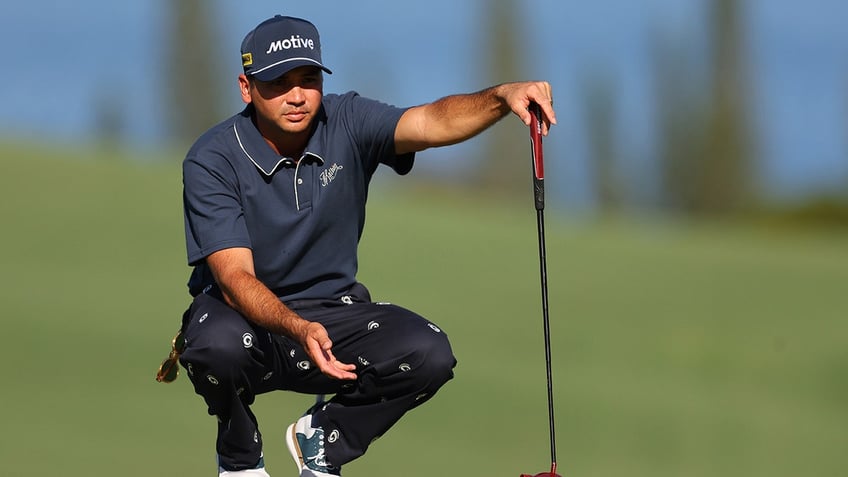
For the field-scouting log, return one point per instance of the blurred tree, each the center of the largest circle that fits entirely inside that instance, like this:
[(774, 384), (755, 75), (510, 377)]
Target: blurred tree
[(706, 157), (505, 144), (726, 184), (192, 69), (681, 111), (109, 119), (599, 109)]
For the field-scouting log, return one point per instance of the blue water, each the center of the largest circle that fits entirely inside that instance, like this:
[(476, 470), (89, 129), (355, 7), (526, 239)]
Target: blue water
[(58, 57)]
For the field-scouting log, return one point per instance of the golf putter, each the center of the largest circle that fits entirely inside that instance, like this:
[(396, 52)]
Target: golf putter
[(539, 199)]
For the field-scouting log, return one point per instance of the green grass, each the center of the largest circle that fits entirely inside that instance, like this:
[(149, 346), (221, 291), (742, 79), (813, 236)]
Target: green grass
[(696, 350)]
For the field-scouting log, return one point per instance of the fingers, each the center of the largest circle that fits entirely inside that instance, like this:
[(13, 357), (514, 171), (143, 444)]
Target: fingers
[(546, 104), (335, 368), (548, 115), (319, 348), (539, 92)]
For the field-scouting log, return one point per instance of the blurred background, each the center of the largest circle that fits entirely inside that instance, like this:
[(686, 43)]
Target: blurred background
[(697, 192), (692, 106)]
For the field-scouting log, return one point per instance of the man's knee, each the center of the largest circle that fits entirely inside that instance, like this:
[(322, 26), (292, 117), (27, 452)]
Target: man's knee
[(220, 347), (434, 358), (224, 356)]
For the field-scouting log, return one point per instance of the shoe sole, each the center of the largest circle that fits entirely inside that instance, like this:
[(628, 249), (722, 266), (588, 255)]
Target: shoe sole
[(294, 448)]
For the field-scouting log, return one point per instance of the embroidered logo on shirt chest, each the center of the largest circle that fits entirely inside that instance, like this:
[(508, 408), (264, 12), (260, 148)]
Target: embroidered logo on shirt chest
[(329, 175)]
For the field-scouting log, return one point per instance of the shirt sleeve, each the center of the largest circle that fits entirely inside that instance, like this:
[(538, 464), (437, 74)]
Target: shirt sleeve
[(374, 125), (214, 217)]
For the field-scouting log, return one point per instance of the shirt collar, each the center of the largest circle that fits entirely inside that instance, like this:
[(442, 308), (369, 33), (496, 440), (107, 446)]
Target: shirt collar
[(254, 147)]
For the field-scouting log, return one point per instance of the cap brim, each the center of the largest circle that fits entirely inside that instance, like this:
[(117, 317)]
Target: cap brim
[(276, 70)]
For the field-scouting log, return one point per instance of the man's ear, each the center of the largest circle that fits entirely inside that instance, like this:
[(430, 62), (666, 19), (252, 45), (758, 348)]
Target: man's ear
[(244, 88)]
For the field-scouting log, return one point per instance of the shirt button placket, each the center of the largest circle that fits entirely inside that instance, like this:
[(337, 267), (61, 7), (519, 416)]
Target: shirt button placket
[(303, 188)]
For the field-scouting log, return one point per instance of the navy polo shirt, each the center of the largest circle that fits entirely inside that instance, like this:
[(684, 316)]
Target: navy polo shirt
[(301, 218)]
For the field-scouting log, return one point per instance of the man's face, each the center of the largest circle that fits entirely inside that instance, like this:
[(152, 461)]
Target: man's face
[(288, 103)]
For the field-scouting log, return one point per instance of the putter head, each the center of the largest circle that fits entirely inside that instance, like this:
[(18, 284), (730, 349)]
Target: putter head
[(543, 474)]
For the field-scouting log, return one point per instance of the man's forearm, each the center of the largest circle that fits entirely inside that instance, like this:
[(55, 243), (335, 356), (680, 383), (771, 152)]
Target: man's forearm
[(450, 120), (256, 302), (455, 118)]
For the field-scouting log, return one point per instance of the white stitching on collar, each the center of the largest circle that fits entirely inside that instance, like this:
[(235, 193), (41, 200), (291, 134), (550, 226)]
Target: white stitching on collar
[(241, 145)]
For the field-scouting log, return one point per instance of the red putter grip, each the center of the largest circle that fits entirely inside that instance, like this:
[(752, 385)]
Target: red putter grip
[(538, 155), (536, 141)]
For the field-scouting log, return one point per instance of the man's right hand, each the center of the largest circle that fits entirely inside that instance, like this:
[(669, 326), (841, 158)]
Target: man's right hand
[(318, 346)]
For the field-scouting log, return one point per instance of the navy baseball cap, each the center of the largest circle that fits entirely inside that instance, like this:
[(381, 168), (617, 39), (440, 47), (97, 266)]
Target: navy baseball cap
[(278, 45)]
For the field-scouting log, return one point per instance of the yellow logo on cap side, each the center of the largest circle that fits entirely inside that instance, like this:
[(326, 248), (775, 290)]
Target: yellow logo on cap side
[(247, 59)]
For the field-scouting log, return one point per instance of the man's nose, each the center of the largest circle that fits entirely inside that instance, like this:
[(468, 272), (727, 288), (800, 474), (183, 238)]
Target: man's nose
[(295, 95)]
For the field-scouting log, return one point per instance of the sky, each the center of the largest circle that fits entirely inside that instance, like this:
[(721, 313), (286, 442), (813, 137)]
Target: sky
[(59, 57)]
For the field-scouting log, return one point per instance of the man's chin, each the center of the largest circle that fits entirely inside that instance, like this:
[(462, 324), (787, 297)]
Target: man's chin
[(295, 127)]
